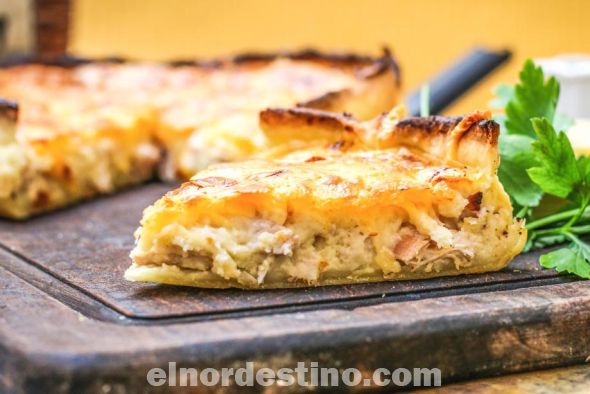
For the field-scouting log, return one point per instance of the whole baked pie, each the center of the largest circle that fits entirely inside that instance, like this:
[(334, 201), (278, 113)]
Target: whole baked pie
[(69, 133)]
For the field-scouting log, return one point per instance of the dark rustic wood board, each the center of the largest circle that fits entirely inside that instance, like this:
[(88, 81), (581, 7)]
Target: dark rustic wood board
[(63, 298), (87, 247)]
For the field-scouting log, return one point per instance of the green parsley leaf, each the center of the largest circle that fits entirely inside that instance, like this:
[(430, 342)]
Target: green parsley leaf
[(517, 157), (539, 170), (574, 259), (533, 97), (549, 240), (584, 168), (582, 190), (558, 173)]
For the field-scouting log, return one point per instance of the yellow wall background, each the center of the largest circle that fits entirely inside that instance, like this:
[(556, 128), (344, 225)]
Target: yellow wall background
[(426, 35)]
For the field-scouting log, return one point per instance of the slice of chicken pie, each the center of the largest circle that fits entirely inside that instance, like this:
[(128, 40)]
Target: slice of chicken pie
[(382, 200)]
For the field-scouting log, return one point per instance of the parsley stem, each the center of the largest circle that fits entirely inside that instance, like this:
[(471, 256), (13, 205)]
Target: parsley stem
[(425, 100), (555, 218), (548, 231), (574, 219), (573, 238), (523, 212), (562, 231), (580, 229)]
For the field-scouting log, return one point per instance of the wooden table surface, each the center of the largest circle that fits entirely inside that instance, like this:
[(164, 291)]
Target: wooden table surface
[(570, 380)]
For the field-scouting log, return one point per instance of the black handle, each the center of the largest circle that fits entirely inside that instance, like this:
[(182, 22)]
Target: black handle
[(450, 84)]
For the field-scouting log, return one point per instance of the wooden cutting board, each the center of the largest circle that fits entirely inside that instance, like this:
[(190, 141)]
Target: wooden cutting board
[(69, 321)]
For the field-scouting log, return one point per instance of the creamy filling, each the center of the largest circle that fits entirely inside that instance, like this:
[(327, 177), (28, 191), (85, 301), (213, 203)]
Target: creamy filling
[(259, 251), (30, 182)]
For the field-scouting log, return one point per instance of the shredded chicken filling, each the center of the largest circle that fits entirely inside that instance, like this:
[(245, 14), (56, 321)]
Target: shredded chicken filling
[(258, 250)]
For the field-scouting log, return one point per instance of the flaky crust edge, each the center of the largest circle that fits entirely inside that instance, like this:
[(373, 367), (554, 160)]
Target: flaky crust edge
[(379, 76), (471, 139)]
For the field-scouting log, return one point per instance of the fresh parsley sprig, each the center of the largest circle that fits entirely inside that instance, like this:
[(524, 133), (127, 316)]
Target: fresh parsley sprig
[(548, 185)]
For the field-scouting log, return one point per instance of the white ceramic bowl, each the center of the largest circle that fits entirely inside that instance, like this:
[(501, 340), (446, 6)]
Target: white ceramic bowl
[(573, 74)]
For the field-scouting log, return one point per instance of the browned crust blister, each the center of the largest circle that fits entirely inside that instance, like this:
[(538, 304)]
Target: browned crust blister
[(471, 140), (306, 117), (368, 69), (476, 126), (8, 110), (433, 124)]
